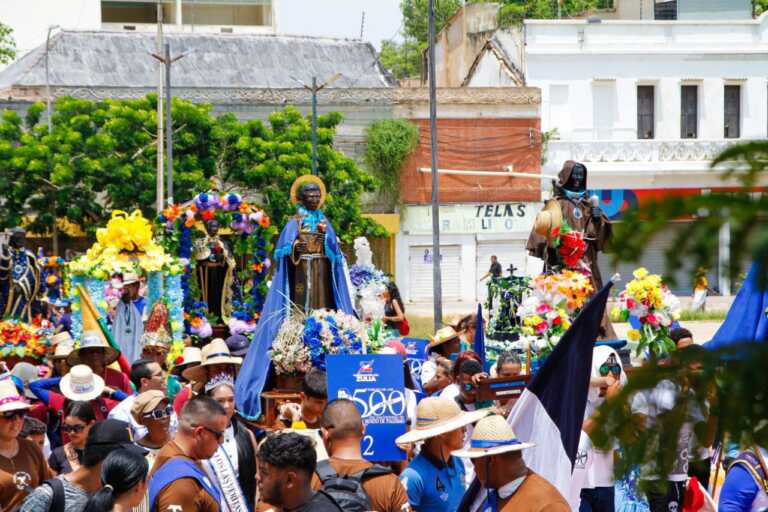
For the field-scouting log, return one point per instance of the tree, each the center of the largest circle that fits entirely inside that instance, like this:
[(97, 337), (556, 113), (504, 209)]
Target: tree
[(416, 17), (513, 12), (7, 44), (403, 60), (759, 6), (388, 144)]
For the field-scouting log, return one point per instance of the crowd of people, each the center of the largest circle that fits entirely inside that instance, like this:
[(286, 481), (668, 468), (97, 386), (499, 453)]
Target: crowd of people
[(87, 437)]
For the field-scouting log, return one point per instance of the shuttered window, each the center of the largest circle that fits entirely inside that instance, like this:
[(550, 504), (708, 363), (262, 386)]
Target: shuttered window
[(645, 123), (689, 111), (732, 128)]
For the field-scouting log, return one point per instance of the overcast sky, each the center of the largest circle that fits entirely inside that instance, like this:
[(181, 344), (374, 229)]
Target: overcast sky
[(340, 18)]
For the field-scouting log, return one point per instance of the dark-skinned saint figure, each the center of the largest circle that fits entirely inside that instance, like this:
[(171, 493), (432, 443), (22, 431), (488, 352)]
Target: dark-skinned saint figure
[(571, 203), (310, 275), (20, 281), (214, 270)]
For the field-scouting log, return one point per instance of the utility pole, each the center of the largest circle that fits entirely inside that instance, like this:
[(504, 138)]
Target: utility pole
[(160, 194), (314, 89), (437, 288), (168, 62), (55, 229), (362, 25)]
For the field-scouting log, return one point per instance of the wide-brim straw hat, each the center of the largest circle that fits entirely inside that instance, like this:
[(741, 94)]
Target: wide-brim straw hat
[(444, 335), (129, 278), (62, 338), (26, 373), (61, 351), (191, 356), (91, 339), (216, 352), (547, 219), (491, 436), (81, 384), (10, 399), (436, 416)]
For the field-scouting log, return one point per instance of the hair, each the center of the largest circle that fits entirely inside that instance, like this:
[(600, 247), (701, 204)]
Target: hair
[(315, 384), (121, 471), (289, 450), (466, 322), (341, 418), (467, 355), (394, 294), (507, 358), (470, 367), (307, 187), (32, 426), (81, 410), (679, 333), (198, 409), (140, 370)]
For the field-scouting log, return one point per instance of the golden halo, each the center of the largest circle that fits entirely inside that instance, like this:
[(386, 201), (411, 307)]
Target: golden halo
[(303, 180)]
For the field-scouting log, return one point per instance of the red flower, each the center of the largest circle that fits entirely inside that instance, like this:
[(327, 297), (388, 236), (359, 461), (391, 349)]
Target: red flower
[(572, 248), (557, 321), (179, 360), (208, 215), (217, 249)]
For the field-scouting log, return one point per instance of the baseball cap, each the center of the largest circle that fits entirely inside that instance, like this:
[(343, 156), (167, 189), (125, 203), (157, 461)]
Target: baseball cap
[(145, 402), (238, 344), (108, 435)]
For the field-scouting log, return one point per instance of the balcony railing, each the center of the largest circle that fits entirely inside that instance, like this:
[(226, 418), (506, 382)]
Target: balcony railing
[(684, 150)]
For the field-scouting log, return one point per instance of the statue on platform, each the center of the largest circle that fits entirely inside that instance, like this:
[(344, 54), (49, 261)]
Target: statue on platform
[(20, 281), (214, 270), (310, 274), (583, 215)]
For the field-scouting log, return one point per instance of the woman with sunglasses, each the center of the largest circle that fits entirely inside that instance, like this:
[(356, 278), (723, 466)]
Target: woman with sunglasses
[(79, 417)]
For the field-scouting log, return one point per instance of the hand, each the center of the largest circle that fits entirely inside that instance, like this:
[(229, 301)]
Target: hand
[(289, 411), (597, 212), (108, 391), (476, 378), (613, 389)]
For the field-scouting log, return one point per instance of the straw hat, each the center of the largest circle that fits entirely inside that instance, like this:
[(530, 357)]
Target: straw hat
[(62, 338), (129, 278), (192, 356), (91, 339), (216, 352), (81, 384), (10, 399), (547, 219), (444, 335), (26, 373), (491, 436), (436, 416), (62, 351)]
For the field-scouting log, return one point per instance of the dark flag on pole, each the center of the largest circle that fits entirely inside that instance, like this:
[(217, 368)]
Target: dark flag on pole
[(480, 334)]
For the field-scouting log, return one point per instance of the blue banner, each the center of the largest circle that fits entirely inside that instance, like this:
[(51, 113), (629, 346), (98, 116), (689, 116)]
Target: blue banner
[(416, 350), (375, 384)]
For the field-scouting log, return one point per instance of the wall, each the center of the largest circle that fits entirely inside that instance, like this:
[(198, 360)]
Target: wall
[(714, 9)]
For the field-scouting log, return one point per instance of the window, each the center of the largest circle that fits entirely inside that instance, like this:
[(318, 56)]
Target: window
[(665, 10), (645, 96), (732, 118), (689, 111)]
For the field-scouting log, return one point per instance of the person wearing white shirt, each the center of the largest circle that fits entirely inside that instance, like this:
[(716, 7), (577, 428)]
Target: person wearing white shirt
[(146, 375)]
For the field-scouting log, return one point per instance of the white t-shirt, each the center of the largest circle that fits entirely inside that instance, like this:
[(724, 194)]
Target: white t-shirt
[(428, 371), (451, 391)]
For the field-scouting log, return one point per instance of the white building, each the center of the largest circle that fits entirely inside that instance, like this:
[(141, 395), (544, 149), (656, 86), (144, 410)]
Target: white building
[(645, 104)]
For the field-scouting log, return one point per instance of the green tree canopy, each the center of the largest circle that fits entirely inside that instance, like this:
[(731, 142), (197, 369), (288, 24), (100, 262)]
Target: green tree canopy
[(388, 144), (7, 44)]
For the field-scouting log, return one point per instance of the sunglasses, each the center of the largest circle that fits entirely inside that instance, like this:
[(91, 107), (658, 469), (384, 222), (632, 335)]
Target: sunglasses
[(72, 429), (468, 387), (158, 414), (613, 369), (12, 415), (218, 435)]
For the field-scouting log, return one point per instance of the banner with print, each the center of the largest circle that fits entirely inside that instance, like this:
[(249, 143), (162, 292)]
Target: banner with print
[(416, 351), (375, 384)]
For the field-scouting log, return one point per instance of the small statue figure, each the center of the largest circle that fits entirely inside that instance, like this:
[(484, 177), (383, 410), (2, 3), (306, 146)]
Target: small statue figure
[(363, 252), (20, 282), (215, 269)]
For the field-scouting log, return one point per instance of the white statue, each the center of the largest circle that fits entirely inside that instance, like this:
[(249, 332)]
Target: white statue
[(363, 252)]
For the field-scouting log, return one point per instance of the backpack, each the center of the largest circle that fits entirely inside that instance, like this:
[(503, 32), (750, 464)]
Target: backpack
[(347, 491), (58, 501)]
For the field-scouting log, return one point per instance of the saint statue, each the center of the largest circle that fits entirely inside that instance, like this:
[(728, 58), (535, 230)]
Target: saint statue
[(19, 277), (582, 214), (214, 269), (310, 274)]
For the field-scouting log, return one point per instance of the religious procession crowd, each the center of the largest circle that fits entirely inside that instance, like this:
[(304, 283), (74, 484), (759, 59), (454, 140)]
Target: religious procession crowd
[(112, 419)]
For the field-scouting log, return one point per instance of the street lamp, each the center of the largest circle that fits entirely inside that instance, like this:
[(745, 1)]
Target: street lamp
[(314, 89), (47, 78)]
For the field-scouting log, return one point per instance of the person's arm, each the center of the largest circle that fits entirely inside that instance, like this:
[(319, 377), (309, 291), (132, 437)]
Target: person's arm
[(41, 388), (179, 495), (486, 276), (414, 487), (739, 491), (398, 316)]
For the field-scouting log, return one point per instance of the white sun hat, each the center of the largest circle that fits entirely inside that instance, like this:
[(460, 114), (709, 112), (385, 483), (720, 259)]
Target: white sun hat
[(436, 416), (491, 436), (81, 384)]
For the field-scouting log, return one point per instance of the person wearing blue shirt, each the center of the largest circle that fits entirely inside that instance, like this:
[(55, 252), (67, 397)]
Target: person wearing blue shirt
[(434, 479), (746, 484)]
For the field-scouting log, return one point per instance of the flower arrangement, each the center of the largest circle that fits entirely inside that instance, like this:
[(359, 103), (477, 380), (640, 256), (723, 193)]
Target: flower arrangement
[(243, 319), (571, 246), (332, 332), (504, 297), (361, 275), (289, 354), (198, 320), (650, 301), (378, 335), (124, 245), (23, 340)]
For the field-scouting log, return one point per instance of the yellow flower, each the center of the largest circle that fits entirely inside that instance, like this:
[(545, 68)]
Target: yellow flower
[(640, 273), (528, 331), (633, 335)]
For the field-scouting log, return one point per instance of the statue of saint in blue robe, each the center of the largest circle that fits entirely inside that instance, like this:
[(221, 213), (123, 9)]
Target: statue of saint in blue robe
[(311, 276)]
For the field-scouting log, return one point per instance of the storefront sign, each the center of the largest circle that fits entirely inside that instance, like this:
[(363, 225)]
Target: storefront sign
[(375, 384), (472, 218)]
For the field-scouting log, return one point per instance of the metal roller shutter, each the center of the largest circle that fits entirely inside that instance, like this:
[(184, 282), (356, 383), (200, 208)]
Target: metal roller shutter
[(420, 272)]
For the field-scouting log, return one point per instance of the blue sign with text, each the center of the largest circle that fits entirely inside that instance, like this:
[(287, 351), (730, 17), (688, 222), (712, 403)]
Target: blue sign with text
[(416, 351), (375, 384)]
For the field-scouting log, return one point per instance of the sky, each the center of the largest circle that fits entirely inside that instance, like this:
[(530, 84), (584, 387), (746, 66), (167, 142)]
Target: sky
[(340, 18)]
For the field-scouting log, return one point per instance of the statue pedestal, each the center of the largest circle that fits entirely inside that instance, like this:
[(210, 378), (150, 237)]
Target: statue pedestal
[(220, 331)]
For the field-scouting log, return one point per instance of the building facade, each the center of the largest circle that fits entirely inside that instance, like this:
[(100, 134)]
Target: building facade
[(645, 104)]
